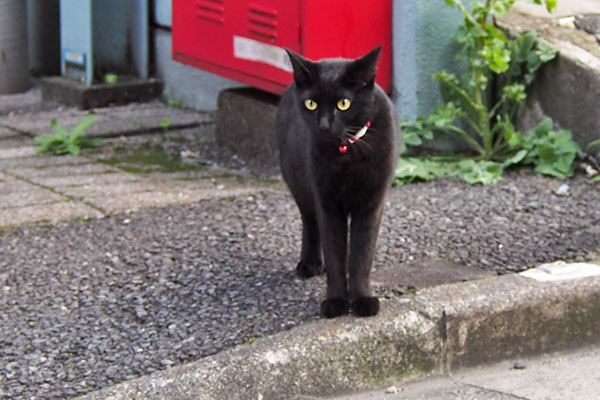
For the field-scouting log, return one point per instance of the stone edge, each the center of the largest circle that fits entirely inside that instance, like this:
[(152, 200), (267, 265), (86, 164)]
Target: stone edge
[(434, 331)]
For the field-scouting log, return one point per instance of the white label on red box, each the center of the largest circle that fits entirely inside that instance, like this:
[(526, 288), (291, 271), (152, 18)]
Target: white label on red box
[(253, 50)]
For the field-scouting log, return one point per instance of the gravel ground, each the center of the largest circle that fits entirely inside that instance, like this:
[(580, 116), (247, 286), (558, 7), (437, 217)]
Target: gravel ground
[(86, 304)]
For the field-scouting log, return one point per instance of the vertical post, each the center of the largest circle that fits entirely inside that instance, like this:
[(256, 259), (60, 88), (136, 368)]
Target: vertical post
[(76, 58), (139, 35), (14, 71)]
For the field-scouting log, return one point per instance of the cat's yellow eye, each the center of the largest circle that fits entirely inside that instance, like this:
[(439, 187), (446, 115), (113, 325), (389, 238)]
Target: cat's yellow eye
[(310, 104), (343, 104)]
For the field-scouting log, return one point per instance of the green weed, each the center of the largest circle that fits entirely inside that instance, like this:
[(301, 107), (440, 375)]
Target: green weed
[(64, 142), (487, 127)]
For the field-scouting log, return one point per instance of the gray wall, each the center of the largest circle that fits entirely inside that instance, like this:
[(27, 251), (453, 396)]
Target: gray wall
[(423, 32), (194, 88)]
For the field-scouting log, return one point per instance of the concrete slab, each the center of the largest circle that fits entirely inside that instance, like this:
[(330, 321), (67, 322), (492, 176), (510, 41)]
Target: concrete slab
[(162, 198), (9, 184), (67, 91), (64, 170), (81, 180), (7, 133), (41, 160), (17, 152), (21, 102), (52, 212), (563, 8), (114, 189), (115, 121), (557, 375), (14, 141), (423, 273), (27, 196)]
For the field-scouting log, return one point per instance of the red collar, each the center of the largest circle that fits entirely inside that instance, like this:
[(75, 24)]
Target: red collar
[(353, 139)]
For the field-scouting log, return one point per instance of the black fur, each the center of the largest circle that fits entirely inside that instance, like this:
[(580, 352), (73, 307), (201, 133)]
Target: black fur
[(330, 187)]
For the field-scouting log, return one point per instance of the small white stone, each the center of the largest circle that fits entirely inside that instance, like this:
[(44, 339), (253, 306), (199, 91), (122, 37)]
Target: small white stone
[(567, 22), (563, 190), (391, 390)]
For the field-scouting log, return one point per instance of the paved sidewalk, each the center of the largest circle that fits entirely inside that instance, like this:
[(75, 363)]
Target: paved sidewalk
[(43, 187), (560, 376)]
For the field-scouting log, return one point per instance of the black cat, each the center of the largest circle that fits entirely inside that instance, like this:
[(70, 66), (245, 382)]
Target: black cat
[(338, 137)]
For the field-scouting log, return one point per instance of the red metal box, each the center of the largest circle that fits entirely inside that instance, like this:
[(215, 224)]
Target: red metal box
[(243, 40)]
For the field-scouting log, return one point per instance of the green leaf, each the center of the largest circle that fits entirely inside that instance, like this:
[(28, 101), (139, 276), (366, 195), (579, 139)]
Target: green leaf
[(483, 172), (547, 152), (550, 170), (518, 157), (63, 142), (58, 128), (60, 149), (546, 51), (82, 126), (512, 137), (411, 168), (543, 128), (44, 144), (443, 115), (592, 144), (90, 142), (551, 5), (523, 46), (500, 7), (497, 55), (514, 92), (413, 133), (73, 149), (165, 123), (454, 91), (111, 78)]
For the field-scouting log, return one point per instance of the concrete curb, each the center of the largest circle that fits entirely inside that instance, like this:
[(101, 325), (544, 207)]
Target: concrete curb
[(433, 331)]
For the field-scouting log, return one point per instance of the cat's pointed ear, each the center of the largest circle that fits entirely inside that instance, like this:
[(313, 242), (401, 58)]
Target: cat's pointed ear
[(361, 72), (304, 69)]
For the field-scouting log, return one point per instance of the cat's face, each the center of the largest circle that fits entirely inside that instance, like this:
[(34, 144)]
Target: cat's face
[(335, 96)]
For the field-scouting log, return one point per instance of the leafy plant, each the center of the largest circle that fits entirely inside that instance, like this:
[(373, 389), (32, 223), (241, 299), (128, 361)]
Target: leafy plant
[(429, 168), (487, 127), (165, 123), (111, 78), (63, 142), (596, 176), (592, 144), (172, 102)]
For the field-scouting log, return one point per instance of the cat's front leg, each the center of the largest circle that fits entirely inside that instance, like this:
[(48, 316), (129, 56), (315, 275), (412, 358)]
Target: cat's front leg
[(311, 262), (363, 237), (333, 226)]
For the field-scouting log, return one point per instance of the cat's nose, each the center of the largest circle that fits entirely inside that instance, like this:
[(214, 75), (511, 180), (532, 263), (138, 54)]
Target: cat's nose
[(324, 123)]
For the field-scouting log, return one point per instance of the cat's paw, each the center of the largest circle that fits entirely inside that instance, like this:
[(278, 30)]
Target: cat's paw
[(365, 306), (335, 307), (306, 269)]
